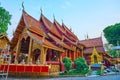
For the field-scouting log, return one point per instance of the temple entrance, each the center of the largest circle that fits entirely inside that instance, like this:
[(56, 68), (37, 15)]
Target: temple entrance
[(36, 54), (24, 49), (95, 59), (25, 45)]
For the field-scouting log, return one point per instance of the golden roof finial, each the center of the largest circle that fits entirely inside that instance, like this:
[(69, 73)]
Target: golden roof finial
[(41, 10), (62, 21), (70, 28), (23, 6), (54, 16), (101, 34), (87, 36)]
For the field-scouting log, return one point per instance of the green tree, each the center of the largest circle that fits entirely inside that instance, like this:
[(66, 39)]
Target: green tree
[(4, 20), (108, 48), (112, 34), (81, 65), (67, 63)]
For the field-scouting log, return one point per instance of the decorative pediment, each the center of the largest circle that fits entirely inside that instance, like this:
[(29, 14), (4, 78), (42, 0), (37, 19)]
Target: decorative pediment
[(95, 57)]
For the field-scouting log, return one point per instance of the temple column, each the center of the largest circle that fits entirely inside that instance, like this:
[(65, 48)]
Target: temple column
[(70, 55), (17, 49), (60, 57), (74, 55), (43, 55), (66, 52), (30, 49), (82, 52)]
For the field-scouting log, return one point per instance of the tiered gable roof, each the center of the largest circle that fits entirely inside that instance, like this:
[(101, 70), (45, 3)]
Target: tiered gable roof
[(58, 41), (91, 43), (28, 22), (17, 32), (49, 27), (62, 31), (34, 30), (59, 28), (56, 29), (69, 33), (33, 25), (95, 42), (44, 42)]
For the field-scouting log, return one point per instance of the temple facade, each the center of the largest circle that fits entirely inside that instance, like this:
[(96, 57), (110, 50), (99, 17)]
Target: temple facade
[(45, 43)]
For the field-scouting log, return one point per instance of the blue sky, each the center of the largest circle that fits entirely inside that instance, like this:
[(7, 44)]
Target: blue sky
[(83, 16)]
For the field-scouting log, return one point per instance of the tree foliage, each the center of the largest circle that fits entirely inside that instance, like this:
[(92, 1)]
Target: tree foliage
[(67, 63), (81, 65), (112, 34), (4, 20), (108, 48)]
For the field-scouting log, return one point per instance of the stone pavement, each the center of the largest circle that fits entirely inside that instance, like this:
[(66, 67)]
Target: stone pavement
[(107, 77)]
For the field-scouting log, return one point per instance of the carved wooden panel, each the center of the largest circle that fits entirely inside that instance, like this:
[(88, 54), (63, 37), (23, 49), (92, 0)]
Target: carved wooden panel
[(54, 68), (36, 45)]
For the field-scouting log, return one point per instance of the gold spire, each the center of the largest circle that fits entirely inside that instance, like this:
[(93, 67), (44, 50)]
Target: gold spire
[(41, 10), (87, 37), (62, 21), (54, 16), (23, 6)]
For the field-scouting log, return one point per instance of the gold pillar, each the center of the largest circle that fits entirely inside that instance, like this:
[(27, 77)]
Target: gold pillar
[(74, 55), (66, 52), (60, 57), (43, 55), (82, 52), (17, 49), (30, 49)]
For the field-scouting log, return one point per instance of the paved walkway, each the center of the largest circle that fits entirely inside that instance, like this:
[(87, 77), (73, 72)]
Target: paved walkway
[(108, 77)]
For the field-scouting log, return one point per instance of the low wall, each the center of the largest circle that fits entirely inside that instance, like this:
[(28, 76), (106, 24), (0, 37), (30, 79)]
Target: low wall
[(26, 70)]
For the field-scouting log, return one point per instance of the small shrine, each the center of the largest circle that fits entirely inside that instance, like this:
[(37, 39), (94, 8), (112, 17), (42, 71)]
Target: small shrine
[(96, 60), (4, 47), (95, 57)]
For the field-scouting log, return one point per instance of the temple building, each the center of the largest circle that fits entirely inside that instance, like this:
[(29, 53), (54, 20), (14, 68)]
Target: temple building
[(45, 42), (94, 52)]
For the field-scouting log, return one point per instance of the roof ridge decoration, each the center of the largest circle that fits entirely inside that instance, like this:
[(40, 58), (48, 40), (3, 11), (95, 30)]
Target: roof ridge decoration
[(69, 31), (41, 11), (23, 8), (43, 18), (59, 27), (54, 17)]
